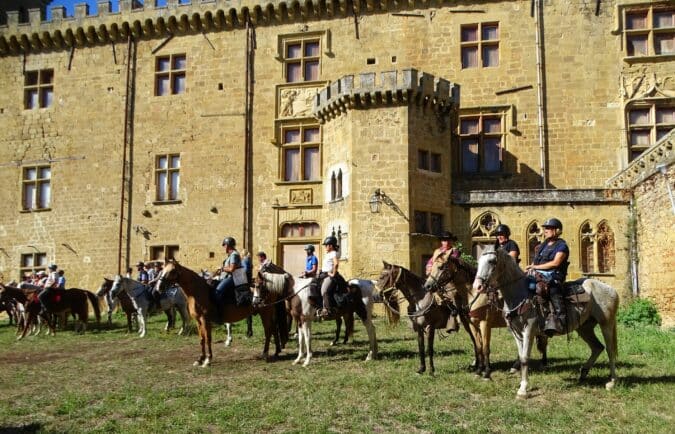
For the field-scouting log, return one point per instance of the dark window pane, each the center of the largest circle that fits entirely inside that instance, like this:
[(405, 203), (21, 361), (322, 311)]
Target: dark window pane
[(31, 78), (469, 156), (312, 70), (469, 33), (294, 51), (311, 49), (469, 57), (293, 72)]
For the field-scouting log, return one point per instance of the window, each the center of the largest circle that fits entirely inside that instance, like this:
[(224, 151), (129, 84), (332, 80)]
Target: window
[(36, 187), (480, 45), (597, 248), (650, 32), (430, 161), (295, 230), (648, 122), (38, 89), (164, 253), (428, 222), (336, 185), (301, 160), (481, 232), (170, 74), (535, 235), (301, 60), (167, 177), (32, 263), (481, 138)]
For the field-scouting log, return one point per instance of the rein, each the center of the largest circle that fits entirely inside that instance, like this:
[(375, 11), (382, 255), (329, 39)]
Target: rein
[(288, 297), (395, 287)]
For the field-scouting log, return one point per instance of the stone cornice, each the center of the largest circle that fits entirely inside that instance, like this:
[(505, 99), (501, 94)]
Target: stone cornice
[(539, 197), (391, 88), (647, 164), (149, 21)]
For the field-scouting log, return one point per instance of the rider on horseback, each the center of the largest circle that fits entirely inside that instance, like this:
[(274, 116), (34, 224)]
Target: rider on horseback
[(311, 262), (329, 271), (502, 233), (49, 283), (550, 260), (231, 263)]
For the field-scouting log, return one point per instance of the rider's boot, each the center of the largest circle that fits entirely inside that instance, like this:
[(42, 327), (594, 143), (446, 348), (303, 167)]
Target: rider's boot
[(556, 319), (325, 312)]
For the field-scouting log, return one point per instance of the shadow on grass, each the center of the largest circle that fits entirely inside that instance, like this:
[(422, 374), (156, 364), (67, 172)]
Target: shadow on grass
[(30, 428)]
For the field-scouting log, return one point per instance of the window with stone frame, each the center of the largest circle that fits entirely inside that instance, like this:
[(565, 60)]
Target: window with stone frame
[(31, 263), (649, 31), (481, 232), (481, 143), (535, 236), (164, 253), (170, 74), (336, 185), (429, 161), (167, 177), (598, 253), (648, 122), (36, 189), (300, 230), (428, 222), (300, 152), (479, 45), (38, 89), (301, 57)]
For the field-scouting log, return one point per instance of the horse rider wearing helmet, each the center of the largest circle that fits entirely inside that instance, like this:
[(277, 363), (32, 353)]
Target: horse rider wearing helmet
[(329, 269), (231, 263), (311, 262), (504, 242), (50, 282), (550, 260)]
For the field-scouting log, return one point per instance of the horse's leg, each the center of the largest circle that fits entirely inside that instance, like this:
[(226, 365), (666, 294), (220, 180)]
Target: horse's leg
[(29, 319), (338, 326), (372, 338), (609, 333), (430, 342), (466, 323), (349, 327), (268, 328), (185, 320), (249, 326), (524, 349), (202, 340), (478, 350), (301, 340), (587, 333), (542, 346), (420, 348), (141, 322), (308, 342), (486, 332), (129, 327), (169, 319), (207, 333), (228, 329)]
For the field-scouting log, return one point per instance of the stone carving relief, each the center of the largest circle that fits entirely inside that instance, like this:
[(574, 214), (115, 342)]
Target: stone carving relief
[(646, 84), (296, 102), (301, 196)]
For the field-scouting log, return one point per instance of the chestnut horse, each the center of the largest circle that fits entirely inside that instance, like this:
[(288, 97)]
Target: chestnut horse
[(596, 305), (204, 311), (23, 298), (425, 314), (454, 279)]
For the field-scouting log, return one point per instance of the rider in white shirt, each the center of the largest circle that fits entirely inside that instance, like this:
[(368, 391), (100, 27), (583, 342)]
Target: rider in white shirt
[(329, 269)]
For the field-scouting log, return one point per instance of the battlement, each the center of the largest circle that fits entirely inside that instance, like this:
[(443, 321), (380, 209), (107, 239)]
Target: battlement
[(369, 89), (194, 16)]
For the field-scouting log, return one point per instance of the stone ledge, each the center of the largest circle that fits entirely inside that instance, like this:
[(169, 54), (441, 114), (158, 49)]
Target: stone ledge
[(537, 197), (661, 154), (392, 88)]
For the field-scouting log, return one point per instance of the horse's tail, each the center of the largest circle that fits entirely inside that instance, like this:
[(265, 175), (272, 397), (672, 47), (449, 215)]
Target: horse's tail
[(282, 323), (94, 303)]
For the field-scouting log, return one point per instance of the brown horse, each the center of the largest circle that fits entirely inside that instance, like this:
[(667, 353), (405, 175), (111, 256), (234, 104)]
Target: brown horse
[(25, 297), (453, 278), (425, 314), (204, 311), (124, 300)]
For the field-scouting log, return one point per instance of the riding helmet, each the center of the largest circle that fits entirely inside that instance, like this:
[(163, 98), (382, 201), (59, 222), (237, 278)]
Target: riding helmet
[(447, 235), (553, 223), (503, 230), (309, 248), (229, 241), (330, 241), (53, 267)]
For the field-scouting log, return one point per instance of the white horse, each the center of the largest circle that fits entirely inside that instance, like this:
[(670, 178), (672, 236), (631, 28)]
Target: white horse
[(304, 312), (141, 297), (497, 270)]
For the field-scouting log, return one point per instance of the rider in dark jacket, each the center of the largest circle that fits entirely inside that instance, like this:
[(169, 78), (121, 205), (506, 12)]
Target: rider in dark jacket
[(550, 260)]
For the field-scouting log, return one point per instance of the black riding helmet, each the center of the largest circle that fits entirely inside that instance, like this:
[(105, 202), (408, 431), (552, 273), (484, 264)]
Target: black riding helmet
[(229, 241), (309, 248), (553, 223), (503, 230), (332, 241)]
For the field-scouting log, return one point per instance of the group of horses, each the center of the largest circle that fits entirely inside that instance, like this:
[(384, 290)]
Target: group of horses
[(495, 294)]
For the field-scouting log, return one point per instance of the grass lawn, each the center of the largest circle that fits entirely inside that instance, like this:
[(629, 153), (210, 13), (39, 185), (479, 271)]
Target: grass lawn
[(109, 381)]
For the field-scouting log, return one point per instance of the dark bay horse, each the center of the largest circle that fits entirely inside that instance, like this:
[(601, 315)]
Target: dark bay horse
[(26, 301), (597, 304), (124, 300), (425, 314), (204, 311), (478, 313)]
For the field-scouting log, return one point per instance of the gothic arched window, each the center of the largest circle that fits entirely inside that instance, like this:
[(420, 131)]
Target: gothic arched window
[(534, 238)]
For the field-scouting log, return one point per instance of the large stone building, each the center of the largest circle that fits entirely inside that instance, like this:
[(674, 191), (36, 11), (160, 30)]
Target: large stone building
[(142, 132)]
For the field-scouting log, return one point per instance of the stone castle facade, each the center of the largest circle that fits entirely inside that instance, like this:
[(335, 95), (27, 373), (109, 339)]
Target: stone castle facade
[(147, 132)]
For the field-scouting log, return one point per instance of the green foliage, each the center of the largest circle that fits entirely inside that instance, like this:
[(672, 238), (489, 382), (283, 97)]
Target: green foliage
[(639, 312), (466, 257)]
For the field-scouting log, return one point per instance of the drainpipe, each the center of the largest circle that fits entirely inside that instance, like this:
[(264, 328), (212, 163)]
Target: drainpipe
[(632, 227), (540, 91), (248, 139)]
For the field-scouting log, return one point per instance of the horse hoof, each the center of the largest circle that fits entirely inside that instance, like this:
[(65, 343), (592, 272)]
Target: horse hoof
[(583, 374), (332, 344), (513, 371), (610, 385), (197, 363), (522, 395)]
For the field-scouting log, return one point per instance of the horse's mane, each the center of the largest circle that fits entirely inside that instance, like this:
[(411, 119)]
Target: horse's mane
[(463, 265), (276, 283)]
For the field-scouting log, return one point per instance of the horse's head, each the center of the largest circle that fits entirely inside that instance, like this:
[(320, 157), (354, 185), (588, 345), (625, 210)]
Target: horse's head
[(489, 265), (443, 271), (386, 283), (168, 276), (259, 290), (105, 287), (116, 286)]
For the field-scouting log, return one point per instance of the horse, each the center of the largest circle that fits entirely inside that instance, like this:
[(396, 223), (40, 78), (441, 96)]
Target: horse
[(454, 277), (122, 298), (60, 302), (23, 299), (497, 270), (425, 314), (203, 310), (228, 326), (142, 299), (303, 310)]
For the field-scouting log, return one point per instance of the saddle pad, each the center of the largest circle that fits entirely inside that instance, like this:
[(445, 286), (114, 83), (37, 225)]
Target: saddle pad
[(574, 287)]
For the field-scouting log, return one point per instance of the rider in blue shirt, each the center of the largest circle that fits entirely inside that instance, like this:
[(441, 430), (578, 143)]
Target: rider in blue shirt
[(231, 263), (311, 262)]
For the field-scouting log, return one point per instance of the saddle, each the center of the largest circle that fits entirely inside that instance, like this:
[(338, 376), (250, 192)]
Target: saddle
[(56, 294), (340, 294)]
